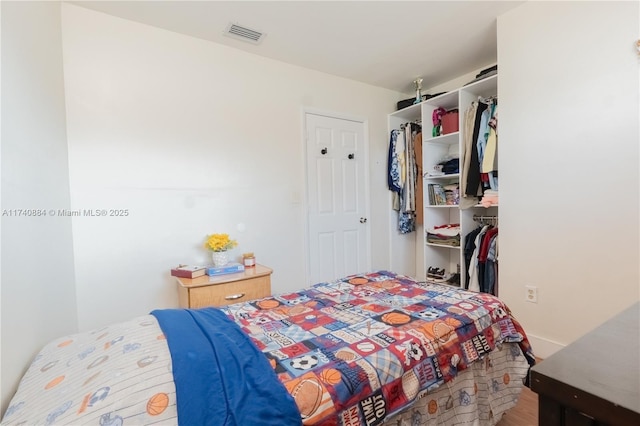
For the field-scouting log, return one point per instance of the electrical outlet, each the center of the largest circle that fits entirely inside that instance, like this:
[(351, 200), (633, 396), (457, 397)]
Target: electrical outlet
[(531, 293)]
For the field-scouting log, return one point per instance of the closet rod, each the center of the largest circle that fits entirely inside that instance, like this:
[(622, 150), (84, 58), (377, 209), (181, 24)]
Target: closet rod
[(488, 99), (403, 125), (493, 220)]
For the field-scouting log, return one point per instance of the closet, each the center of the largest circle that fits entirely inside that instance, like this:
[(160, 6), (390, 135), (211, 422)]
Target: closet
[(455, 201)]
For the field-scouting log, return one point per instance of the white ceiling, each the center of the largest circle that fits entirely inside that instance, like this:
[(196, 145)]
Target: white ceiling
[(382, 43)]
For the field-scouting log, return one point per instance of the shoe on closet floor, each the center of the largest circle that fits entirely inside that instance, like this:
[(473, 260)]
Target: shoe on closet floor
[(435, 272)]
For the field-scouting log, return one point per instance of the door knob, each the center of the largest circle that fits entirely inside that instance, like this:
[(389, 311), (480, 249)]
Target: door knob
[(363, 220), (350, 156), (323, 151)]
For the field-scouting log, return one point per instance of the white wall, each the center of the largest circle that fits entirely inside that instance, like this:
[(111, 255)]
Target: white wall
[(38, 294), (192, 138), (4, 394), (569, 184)]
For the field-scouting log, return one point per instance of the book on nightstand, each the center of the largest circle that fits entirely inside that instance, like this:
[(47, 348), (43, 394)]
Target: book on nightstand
[(229, 268), (187, 271)]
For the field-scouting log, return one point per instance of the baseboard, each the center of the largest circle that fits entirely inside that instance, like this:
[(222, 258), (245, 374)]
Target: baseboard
[(542, 348)]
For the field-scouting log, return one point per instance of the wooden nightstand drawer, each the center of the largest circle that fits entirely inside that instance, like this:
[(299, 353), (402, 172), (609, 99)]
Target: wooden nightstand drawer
[(253, 283), (233, 292)]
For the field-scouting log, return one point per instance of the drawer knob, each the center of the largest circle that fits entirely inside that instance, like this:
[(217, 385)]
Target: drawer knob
[(234, 296)]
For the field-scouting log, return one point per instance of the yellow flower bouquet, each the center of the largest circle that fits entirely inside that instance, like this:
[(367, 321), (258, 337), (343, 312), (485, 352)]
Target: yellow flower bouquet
[(219, 242)]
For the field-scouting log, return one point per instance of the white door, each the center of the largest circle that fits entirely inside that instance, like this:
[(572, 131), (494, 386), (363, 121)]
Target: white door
[(336, 188)]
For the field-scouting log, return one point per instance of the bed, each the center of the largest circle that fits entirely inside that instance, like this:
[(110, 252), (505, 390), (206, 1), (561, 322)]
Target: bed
[(367, 349)]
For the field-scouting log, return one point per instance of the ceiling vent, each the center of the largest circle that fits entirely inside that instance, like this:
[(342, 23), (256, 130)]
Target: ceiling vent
[(243, 33)]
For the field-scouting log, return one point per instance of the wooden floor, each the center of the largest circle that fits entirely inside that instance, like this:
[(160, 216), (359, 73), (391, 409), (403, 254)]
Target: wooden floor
[(525, 413)]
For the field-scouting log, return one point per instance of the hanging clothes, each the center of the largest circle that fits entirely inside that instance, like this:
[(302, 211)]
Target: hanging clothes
[(481, 258), (473, 175), (394, 168), (474, 283), (467, 201), (409, 190), (469, 248), (481, 151), (417, 148), (490, 159), (483, 133), (403, 174), (406, 222), (483, 136), (491, 268)]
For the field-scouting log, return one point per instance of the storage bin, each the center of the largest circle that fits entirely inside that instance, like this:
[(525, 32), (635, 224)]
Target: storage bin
[(450, 122)]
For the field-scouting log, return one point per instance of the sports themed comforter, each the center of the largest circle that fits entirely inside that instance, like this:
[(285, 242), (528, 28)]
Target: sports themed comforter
[(357, 351)]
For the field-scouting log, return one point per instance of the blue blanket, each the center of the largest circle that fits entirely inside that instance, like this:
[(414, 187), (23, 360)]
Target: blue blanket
[(221, 377)]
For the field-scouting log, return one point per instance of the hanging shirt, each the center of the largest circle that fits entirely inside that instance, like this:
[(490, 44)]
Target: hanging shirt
[(474, 282), (490, 160), (393, 165), (402, 175), (400, 154), (473, 175), (469, 248), (469, 120), (409, 193), (490, 271), (417, 147), (483, 133)]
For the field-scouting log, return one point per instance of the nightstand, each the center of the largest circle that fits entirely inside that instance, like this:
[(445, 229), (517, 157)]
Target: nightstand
[(219, 290)]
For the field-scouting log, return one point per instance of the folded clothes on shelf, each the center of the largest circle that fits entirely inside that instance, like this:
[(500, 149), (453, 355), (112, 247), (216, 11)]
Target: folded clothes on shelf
[(451, 166), (443, 241), (450, 229), (490, 198), (448, 235)]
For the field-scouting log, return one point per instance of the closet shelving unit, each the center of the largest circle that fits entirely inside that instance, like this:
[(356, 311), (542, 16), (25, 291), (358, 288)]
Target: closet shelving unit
[(434, 150)]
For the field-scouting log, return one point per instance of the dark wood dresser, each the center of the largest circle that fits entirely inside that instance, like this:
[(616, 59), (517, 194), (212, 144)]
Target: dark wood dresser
[(596, 379)]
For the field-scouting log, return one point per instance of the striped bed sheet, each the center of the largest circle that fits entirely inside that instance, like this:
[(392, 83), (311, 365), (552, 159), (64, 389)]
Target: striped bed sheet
[(123, 375)]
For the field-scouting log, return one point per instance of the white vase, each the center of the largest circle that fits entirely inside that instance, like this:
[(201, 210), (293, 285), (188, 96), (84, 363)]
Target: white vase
[(220, 258)]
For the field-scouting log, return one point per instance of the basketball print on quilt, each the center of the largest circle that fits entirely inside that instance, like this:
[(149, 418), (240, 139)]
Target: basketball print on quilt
[(311, 397)]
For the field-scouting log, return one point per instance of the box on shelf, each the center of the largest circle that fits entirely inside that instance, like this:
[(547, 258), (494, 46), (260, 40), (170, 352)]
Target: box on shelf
[(187, 271), (229, 268), (450, 122)]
